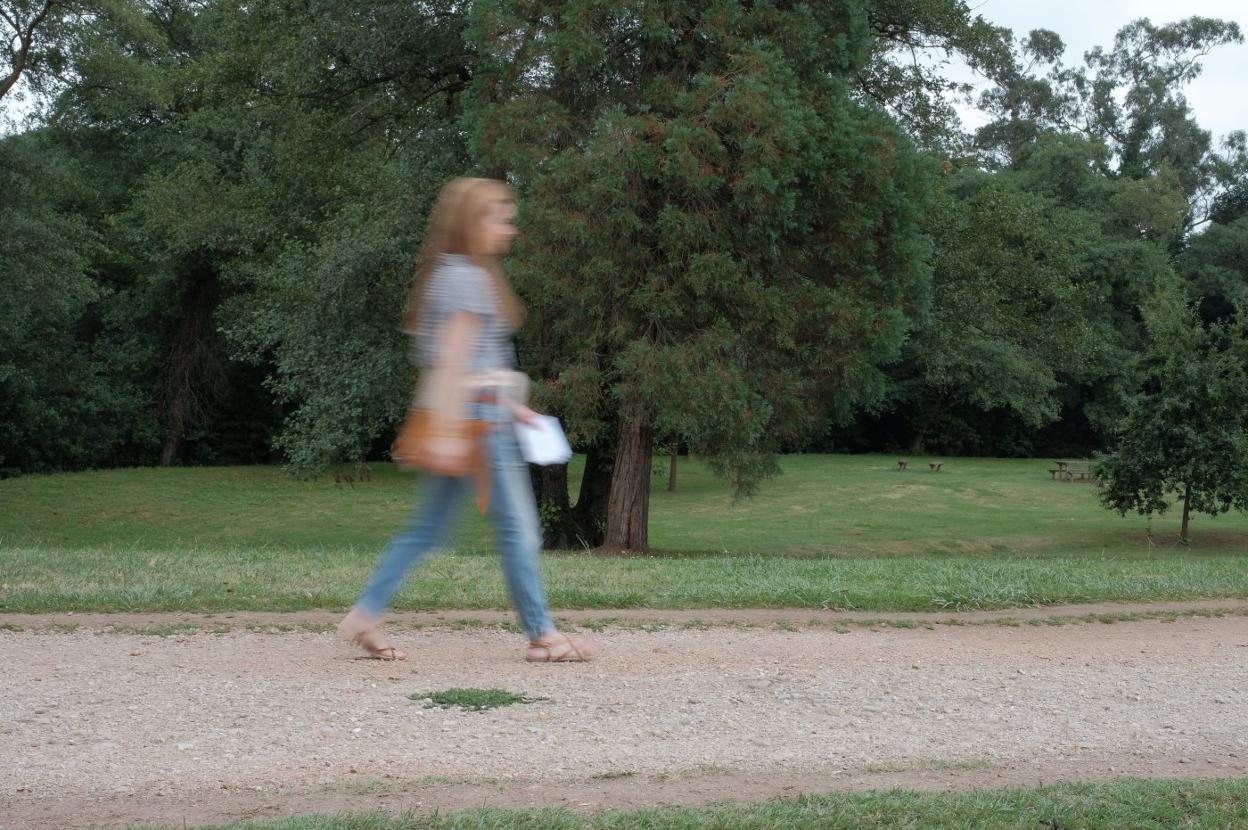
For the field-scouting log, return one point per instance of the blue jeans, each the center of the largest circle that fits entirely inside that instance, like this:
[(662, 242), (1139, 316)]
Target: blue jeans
[(514, 515)]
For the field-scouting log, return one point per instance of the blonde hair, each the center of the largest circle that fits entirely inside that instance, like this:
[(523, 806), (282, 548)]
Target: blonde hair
[(455, 227)]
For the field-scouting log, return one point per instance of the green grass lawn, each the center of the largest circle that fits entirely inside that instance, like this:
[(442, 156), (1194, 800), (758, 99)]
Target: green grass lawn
[(1118, 805), (834, 531)]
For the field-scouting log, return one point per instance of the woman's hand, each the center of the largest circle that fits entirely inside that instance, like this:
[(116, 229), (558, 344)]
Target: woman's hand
[(446, 453), (522, 413)]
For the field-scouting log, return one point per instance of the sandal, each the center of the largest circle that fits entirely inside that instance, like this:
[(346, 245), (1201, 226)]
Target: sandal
[(366, 633), (561, 648)]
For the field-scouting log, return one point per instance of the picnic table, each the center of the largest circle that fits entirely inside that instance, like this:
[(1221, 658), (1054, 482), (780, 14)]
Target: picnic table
[(1070, 470)]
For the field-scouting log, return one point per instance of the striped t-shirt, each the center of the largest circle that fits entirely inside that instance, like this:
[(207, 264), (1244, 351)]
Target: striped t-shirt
[(456, 285)]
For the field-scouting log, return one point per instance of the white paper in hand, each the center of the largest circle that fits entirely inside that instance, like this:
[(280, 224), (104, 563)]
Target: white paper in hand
[(543, 442)]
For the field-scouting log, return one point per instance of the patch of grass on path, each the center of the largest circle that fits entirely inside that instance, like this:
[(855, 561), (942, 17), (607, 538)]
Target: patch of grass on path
[(473, 700), (841, 532), (1118, 805)]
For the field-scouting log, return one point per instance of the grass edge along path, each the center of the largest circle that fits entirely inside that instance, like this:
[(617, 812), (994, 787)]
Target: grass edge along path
[(41, 580), (1139, 804), (176, 624)]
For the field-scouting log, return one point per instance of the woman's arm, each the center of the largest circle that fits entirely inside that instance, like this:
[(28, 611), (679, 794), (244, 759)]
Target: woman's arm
[(448, 393)]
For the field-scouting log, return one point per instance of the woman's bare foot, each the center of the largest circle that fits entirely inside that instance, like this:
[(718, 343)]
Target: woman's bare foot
[(364, 631), (562, 648)]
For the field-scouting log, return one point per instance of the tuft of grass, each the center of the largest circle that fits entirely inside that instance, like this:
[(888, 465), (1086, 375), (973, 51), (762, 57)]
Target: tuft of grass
[(472, 700)]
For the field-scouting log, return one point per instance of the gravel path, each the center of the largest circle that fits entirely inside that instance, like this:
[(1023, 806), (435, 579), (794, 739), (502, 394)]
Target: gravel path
[(109, 729)]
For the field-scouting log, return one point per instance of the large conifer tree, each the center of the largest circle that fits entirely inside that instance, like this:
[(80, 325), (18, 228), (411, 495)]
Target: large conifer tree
[(720, 244)]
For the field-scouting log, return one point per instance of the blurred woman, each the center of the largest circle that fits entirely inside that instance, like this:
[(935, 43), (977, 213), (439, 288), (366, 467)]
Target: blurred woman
[(462, 316)]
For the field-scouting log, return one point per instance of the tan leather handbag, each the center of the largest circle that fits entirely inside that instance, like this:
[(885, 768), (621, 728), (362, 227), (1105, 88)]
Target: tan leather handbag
[(409, 446)]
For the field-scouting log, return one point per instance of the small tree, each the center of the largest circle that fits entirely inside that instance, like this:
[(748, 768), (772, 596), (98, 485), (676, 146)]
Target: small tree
[(1184, 434)]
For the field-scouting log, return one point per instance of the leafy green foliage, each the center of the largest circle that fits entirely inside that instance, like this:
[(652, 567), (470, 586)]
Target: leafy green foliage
[(720, 244), (54, 405), (918, 93), (727, 240), (1215, 269), (1128, 96), (1038, 272), (1009, 310), (262, 173), (36, 37), (1231, 204), (1185, 431)]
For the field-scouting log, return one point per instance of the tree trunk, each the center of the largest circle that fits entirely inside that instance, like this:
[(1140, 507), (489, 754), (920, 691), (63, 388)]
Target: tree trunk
[(1187, 504), (173, 438), (195, 376), (550, 487), (565, 527), (671, 473), (8, 81), (589, 516), (628, 507)]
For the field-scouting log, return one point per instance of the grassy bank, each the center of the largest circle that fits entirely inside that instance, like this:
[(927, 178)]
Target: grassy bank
[(848, 532)]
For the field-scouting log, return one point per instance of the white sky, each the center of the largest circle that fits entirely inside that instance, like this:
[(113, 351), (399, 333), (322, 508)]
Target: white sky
[(1219, 97)]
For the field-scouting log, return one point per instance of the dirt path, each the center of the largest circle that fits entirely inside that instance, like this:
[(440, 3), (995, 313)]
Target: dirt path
[(111, 729)]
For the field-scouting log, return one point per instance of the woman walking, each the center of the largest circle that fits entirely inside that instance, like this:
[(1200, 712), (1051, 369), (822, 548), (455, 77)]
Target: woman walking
[(462, 315)]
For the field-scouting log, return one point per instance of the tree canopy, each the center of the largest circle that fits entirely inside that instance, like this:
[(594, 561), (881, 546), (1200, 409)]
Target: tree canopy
[(748, 228)]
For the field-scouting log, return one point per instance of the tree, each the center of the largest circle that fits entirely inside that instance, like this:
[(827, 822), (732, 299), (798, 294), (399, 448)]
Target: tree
[(1038, 272), (28, 31), (1009, 310), (1129, 97), (719, 243), (1214, 266), (369, 97), (1186, 431), (52, 398), (912, 42), (243, 267), (1231, 204), (1132, 97)]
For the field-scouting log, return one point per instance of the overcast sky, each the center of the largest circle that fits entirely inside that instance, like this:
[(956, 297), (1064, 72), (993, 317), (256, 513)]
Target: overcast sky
[(1219, 97)]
